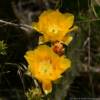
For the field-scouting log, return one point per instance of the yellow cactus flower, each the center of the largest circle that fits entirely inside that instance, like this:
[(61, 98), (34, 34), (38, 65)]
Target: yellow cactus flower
[(46, 66), (55, 26)]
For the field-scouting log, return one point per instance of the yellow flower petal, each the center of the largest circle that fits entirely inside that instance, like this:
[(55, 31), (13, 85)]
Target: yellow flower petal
[(73, 28), (67, 39), (65, 63), (42, 40), (35, 26), (47, 87), (69, 20)]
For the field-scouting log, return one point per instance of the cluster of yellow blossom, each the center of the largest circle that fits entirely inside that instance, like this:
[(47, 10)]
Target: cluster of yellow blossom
[(45, 63)]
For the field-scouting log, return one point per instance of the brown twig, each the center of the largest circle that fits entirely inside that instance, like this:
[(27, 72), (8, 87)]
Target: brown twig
[(24, 27)]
